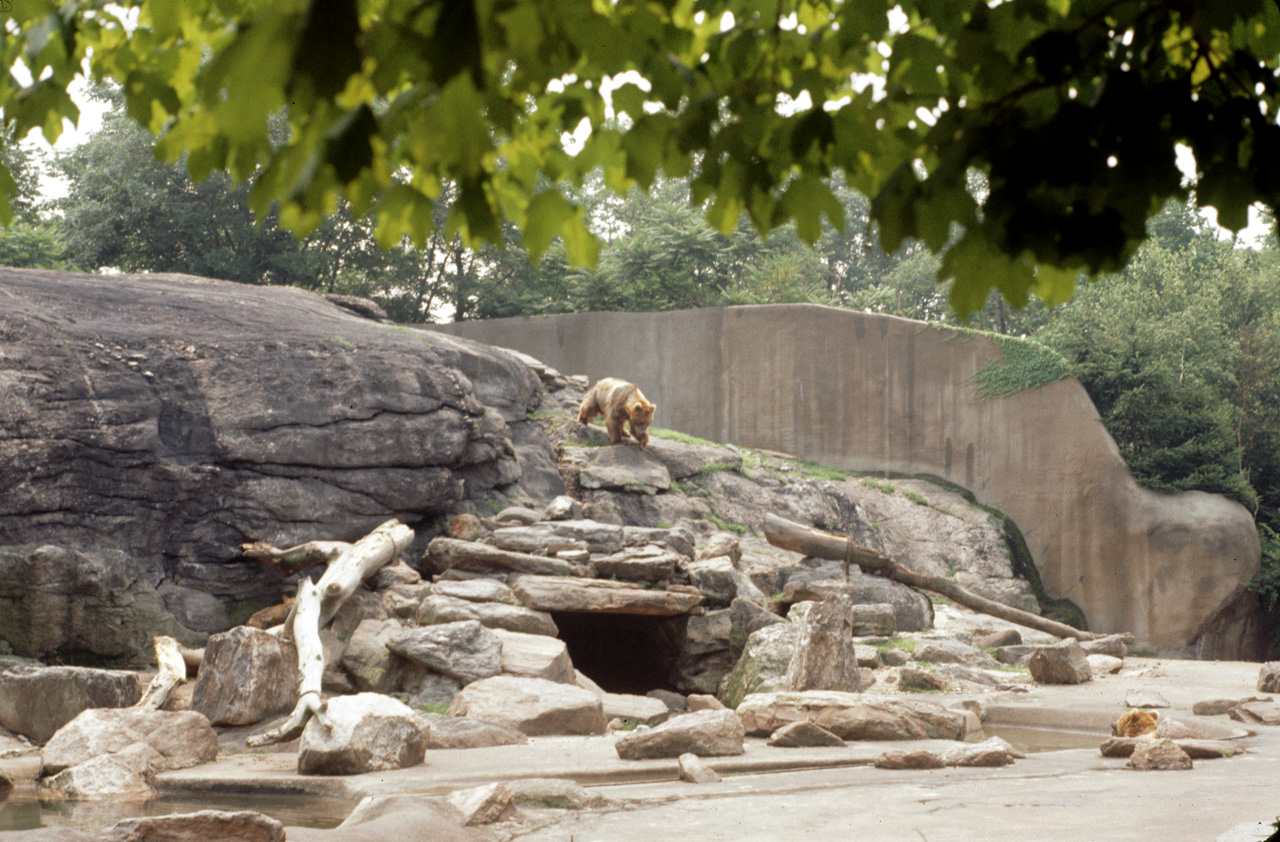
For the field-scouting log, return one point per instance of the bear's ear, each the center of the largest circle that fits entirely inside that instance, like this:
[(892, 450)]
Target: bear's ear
[(649, 406)]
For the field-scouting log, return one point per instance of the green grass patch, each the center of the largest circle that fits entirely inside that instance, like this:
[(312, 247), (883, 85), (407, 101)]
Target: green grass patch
[(812, 470), (721, 523), (675, 435), (906, 643), (345, 343), (883, 487), (1026, 365), (714, 467), (437, 708), (916, 497), (408, 331)]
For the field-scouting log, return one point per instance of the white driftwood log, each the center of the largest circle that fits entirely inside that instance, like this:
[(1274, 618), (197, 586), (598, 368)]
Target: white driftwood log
[(306, 637), (316, 604), (173, 671)]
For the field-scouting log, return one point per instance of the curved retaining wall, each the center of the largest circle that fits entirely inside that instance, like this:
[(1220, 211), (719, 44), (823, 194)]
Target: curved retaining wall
[(879, 393)]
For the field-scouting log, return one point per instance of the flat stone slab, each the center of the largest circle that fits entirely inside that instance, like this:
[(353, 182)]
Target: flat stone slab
[(601, 596)]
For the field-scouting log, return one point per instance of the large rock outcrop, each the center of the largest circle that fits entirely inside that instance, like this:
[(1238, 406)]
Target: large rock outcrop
[(883, 394), (150, 424)]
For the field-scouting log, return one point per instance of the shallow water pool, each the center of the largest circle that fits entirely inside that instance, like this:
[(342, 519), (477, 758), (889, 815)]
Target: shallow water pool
[(22, 811)]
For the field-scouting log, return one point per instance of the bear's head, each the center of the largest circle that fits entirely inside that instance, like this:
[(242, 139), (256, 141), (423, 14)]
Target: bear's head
[(641, 413)]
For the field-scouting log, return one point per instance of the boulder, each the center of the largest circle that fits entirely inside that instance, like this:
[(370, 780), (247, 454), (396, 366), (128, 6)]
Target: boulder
[(366, 732), (202, 826), (36, 701), (763, 665), (708, 733), (367, 660), (694, 771), (702, 701), (394, 574), (717, 578), (187, 394), (466, 651), (535, 656), (1062, 663), (533, 706), (1113, 645), (480, 589), (874, 618), (747, 617), (824, 657), (1158, 755), (804, 734), (851, 716), (601, 596), (628, 469), (247, 675), (555, 793), (1016, 656), (421, 686), (181, 738), (464, 732), (125, 775), (1219, 707)]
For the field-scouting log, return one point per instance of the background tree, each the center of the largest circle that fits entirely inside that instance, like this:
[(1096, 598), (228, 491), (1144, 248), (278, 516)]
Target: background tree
[(1069, 111)]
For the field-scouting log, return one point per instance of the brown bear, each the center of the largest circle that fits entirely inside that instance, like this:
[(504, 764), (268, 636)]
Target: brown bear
[(620, 403), (1135, 723)]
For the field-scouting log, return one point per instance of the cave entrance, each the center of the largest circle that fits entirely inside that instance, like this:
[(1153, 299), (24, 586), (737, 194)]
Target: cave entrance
[(623, 653)]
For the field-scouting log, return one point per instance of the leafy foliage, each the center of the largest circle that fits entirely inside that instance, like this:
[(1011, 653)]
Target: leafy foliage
[(1026, 364), (1069, 111)]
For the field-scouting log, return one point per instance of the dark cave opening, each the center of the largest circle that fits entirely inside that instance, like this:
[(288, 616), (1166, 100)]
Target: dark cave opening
[(623, 653)]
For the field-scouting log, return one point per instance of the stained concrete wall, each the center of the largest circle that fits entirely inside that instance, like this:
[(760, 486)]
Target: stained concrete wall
[(879, 393)]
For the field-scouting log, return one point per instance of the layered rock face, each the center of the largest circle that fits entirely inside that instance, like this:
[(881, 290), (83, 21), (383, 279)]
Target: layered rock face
[(150, 424)]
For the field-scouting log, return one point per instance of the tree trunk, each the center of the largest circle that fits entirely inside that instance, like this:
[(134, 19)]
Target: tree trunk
[(173, 671), (813, 542)]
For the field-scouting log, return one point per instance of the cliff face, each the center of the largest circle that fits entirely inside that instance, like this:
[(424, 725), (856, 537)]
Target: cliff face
[(883, 394), (149, 424)]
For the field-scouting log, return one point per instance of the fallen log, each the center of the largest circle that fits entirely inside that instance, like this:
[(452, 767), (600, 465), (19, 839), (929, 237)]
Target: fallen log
[(445, 553), (173, 671), (813, 542), (306, 636), (315, 605)]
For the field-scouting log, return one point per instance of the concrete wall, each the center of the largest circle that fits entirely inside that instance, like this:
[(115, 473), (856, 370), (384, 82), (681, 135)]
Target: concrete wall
[(878, 393)]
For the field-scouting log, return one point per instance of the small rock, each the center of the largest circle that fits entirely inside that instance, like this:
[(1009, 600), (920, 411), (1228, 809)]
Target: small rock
[(1256, 713), (556, 793), (562, 507), (917, 680), (182, 738), (482, 804), (1145, 699), (466, 527), (992, 752), (637, 709), (1062, 663), (1113, 645), (894, 657), (874, 618), (721, 544), (535, 656), (202, 826), (396, 573), (533, 706), (704, 701), (476, 590), (675, 702), (953, 652), (994, 640), (804, 734), (517, 514), (1158, 755), (694, 771), (918, 759), (1104, 664), (1218, 707), (1269, 677)]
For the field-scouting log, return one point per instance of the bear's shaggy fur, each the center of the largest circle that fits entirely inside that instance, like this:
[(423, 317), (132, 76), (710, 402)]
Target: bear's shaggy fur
[(621, 403), (1135, 723)]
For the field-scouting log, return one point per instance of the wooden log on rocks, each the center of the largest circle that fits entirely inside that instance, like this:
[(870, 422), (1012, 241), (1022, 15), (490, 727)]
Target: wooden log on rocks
[(813, 542), (316, 604), (445, 553), (291, 560), (173, 671)]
